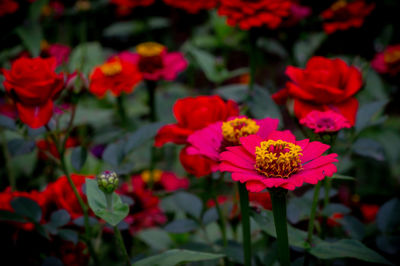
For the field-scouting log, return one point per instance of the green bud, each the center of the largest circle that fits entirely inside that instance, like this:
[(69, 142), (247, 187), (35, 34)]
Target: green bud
[(107, 181)]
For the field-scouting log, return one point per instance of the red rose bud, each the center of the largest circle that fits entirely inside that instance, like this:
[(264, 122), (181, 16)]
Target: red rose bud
[(108, 181)]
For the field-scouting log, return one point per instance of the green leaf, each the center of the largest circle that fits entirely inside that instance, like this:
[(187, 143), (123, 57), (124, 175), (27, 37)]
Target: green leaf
[(189, 203), (374, 86), (125, 28), (155, 238), (261, 104), (181, 226), (347, 248), (31, 36), (343, 177), (11, 216), (27, 208), (60, 218), (366, 113), (69, 235), (18, 147), (335, 208), (211, 215), (6, 122), (369, 148), (140, 136), (35, 9), (78, 157), (98, 204), (353, 227), (236, 92), (305, 48), (114, 153), (85, 57), (388, 217), (272, 46), (298, 209), (177, 256)]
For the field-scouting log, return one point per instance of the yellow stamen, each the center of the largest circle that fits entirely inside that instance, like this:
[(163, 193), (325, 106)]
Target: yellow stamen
[(391, 56), (234, 129), (111, 68), (338, 5), (149, 49), (277, 158), (153, 176)]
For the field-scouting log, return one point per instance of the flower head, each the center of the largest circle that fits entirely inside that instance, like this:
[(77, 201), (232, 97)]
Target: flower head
[(325, 122), (192, 6), (154, 62), (388, 61), (277, 161), (115, 75), (108, 181), (343, 15), (256, 13)]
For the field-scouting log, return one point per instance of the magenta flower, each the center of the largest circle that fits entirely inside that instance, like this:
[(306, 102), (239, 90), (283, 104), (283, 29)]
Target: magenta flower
[(327, 121), (277, 161), (154, 62), (215, 138), (388, 61)]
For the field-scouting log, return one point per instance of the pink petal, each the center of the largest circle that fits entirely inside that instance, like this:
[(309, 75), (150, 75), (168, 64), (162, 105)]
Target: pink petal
[(285, 135), (330, 158), (251, 142), (255, 186), (313, 150)]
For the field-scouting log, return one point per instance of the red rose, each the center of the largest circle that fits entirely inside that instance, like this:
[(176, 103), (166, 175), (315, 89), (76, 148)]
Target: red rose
[(193, 113), (256, 13), (325, 84), (343, 15), (192, 6), (196, 165), (33, 83), (115, 75)]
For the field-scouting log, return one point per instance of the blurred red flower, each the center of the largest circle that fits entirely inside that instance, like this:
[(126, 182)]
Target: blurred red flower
[(162, 180), (196, 165), (325, 84), (115, 75), (343, 15), (34, 84), (73, 254), (193, 113), (47, 145), (369, 212), (192, 6), (8, 7), (145, 211), (7, 108), (388, 61), (256, 13), (334, 219), (60, 52), (124, 7)]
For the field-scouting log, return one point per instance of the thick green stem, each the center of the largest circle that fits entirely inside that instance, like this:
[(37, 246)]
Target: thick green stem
[(121, 244), (313, 212), (278, 198), (109, 201), (244, 207)]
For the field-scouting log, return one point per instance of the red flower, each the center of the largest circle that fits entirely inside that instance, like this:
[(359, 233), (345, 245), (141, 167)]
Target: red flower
[(260, 199), (343, 15), (73, 255), (34, 84), (116, 75), (369, 212), (7, 108), (388, 62), (196, 165), (145, 212), (124, 7), (193, 113), (334, 219), (325, 84), (59, 51), (61, 194), (46, 145), (256, 13), (163, 180), (192, 6), (8, 7)]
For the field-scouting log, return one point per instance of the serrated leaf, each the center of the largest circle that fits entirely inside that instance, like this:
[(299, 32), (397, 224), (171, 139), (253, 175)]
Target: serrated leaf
[(27, 208), (177, 256)]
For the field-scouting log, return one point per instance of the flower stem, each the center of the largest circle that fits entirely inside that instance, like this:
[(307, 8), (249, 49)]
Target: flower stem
[(278, 198), (313, 211), (121, 244), (244, 207)]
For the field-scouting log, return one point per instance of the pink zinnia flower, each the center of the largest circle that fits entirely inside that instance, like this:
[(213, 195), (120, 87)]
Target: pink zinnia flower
[(154, 62), (215, 138), (328, 121), (277, 161), (388, 61)]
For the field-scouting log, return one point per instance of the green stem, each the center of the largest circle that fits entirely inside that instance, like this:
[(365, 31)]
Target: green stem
[(244, 207), (278, 198), (313, 212), (109, 201), (222, 222), (7, 159), (121, 244)]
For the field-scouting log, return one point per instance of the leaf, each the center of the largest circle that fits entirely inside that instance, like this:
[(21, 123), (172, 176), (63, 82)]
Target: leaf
[(353, 227), (181, 226), (143, 134), (155, 238), (388, 217), (125, 28), (98, 204), (369, 148), (236, 92), (69, 235), (388, 244), (85, 57), (272, 46), (6, 122), (35, 9), (374, 86), (261, 104), (27, 208), (114, 153), (11, 216), (298, 209), (347, 248), (31, 36), (78, 157), (366, 112), (189, 203), (211, 215), (60, 218), (177, 256), (335, 208), (343, 177), (304, 49), (18, 147)]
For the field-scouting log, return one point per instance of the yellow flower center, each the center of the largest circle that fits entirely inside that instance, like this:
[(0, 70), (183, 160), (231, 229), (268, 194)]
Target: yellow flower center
[(147, 49), (234, 129), (151, 176), (391, 56), (338, 5), (277, 158), (111, 68)]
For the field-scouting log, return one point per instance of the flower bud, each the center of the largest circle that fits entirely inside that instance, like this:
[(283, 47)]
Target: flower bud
[(107, 181)]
